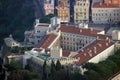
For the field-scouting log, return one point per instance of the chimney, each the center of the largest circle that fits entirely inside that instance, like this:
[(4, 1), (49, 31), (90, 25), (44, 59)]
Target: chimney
[(106, 44), (80, 30), (97, 37), (107, 4), (84, 54), (100, 3), (109, 40), (91, 29), (82, 50), (95, 50), (90, 54)]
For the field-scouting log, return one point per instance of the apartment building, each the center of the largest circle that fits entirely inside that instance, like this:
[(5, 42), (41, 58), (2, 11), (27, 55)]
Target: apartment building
[(81, 11), (49, 7), (103, 13), (112, 1), (63, 10)]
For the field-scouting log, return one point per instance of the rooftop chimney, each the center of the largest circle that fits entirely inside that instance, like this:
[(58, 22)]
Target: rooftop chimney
[(91, 29), (100, 3), (80, 30)]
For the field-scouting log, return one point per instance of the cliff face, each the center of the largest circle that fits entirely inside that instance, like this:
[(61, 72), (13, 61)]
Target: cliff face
[(16, 16)]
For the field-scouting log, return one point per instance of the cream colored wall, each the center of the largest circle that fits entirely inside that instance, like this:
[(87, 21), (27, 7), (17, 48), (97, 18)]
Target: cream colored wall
[(116, 35), (56, 52), (81, 10), (103, 55)]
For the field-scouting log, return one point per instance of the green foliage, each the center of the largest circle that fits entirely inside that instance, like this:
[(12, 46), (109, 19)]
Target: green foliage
[(47, 18), (15, 49), (28, 67), (44, 71), (13, 66), (15, 17), (76, 76), (22, 75), (53, 70), (58, 65), (104, 69)]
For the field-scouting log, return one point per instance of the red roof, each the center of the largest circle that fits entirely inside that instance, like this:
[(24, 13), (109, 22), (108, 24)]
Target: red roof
[(47, 40), (103, 37), (81, 31), (104, 5), (92, 50), (65, 53)]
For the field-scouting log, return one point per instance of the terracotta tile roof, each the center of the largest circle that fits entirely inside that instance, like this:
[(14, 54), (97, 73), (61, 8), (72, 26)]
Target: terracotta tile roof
[(104, 5), (101, 36), (65, 53), (91, 51), (46, 41), (75, 30)]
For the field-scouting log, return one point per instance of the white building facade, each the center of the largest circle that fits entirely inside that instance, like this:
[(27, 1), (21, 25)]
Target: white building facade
[(105, 13)]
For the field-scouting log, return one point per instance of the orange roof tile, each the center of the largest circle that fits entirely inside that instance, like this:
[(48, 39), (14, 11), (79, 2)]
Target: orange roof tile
[(92, 50), (75, 30), (47, 40), (103, 37), (104, 5)]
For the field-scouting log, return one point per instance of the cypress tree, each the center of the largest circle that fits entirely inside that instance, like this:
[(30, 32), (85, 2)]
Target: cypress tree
[(58, 65), (53, 70), (44, 71)]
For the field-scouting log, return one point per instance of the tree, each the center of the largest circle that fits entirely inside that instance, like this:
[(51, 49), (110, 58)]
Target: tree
[(53, 70), (28, 67), (58, 65), (15, 49), (13, 66), (92, 75), (15, 17), (46, 19), (44, 71), (1, 63)]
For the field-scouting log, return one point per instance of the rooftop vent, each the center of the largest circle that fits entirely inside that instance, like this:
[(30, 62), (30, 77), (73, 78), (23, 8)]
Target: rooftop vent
[(100, 45), (106, 44), (90, 54), (84, 54), (82, 50), (91, 29), (100, 3), (78, 58), (80, 30)]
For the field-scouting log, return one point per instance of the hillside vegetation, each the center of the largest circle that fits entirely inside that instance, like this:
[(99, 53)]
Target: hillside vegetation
[(16, 16)]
